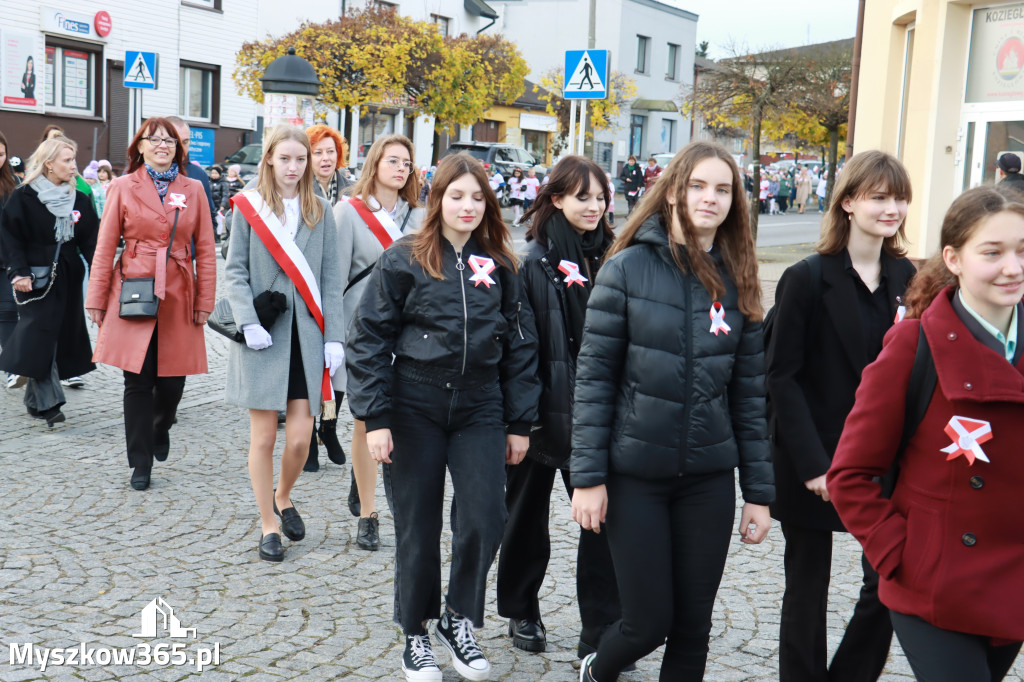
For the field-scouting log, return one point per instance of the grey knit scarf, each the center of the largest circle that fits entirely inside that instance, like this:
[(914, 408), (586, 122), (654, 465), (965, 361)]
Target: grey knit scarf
[(59, 200)]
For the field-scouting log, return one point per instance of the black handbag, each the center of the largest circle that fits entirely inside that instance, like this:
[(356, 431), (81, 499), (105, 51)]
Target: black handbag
[(42, 278), (222, 321), (138, 294), (268, 306)]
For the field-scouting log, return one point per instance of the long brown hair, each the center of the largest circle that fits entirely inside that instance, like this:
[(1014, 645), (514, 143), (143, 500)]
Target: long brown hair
[(7, 180), (492, 234), (368, 178), (571, 175), (967, 212), (866, 172), (149, 127), (310, 206), (733, 236)]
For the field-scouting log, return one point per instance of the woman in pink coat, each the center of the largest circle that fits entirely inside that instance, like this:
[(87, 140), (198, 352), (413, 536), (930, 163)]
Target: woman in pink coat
[(144, 207)]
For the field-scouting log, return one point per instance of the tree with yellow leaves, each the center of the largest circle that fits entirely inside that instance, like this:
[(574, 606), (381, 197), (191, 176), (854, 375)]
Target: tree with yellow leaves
[(602, 113), (376, 55)]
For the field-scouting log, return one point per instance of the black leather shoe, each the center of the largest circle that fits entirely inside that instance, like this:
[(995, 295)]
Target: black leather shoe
[(52, 416), (161, 446), (313, 459), (328, 433), (270, 548), (368, 533), (140, 477), (291, 522), (528, 635), (354, 505)]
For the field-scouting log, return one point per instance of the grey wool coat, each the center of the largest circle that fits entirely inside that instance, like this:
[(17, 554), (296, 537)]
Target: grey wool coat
[(360, 250), (258, 379)]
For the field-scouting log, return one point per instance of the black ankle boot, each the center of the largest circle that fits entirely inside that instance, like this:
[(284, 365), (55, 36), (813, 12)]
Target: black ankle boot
[(313, 460), (328, 433), (354, 505)]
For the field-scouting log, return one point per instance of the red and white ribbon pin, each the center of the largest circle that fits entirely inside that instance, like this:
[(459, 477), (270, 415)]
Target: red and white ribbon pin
[(176, 200), (572, 273), (482, 268), (901, 312), (967, 436), (75, 216), (718, 322)]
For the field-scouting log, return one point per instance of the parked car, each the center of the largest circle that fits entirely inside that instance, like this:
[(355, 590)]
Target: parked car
[(504, 156), (248, 157)]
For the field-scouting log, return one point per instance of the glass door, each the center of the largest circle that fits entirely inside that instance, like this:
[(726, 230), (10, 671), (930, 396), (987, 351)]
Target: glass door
[(983, 138)]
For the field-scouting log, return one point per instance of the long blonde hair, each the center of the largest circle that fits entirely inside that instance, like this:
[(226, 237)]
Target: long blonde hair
[(310, 206), (48, 150), (367, 181)]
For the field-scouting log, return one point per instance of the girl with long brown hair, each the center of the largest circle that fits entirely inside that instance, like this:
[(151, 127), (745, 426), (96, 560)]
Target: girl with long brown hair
[(460, 396), (947, 542), (669, 401)]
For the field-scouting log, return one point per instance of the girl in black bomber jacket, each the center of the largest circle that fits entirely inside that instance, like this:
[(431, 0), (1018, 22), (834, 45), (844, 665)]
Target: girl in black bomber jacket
[(669, 400), (460, 395)]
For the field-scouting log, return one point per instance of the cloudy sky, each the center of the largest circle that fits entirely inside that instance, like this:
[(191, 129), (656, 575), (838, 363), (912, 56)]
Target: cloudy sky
[(779, 23)]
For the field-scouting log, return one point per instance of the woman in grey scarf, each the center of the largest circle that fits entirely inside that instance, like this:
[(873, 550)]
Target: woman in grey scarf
[(46, 222)]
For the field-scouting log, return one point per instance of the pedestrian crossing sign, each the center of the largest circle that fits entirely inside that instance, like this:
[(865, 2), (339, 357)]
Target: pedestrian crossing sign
[(586, 74), (140, 69)]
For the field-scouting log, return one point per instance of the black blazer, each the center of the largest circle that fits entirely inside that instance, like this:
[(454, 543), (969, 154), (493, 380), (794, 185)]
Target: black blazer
[(815, 358)]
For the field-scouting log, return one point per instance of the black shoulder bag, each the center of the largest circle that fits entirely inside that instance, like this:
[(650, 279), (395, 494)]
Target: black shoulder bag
[(42, 278), (138, 295)]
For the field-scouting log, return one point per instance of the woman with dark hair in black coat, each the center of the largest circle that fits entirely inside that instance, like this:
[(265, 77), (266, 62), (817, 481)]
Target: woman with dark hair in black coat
[(567, 240), (8, 309)]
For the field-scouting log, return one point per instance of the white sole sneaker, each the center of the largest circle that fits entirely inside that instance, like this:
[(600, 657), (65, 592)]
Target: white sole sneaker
[(584, 664), (422, 675), (460, 667), (16, 381)]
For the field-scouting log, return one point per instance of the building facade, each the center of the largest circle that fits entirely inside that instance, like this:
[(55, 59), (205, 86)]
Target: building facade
[(941, 87)]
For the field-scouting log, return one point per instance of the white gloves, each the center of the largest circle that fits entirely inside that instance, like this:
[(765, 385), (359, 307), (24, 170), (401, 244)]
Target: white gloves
[(334, 356), (256, 337)]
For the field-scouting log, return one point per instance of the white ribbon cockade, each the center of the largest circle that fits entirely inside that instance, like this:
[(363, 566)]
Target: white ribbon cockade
[(967, 436), (901, 312), (572, 272), (482, 268), (75, 216), (718, 322), (176, 200)]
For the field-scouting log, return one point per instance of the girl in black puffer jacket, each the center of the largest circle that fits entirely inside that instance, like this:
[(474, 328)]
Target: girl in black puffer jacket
[(567, 240), (669, 400), (461, 395)]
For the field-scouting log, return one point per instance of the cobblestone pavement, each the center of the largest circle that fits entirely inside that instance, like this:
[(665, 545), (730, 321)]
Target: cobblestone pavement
[(83, 554)]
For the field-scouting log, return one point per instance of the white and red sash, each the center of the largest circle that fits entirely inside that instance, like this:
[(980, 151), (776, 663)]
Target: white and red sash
[(287, 254), (379, 222)]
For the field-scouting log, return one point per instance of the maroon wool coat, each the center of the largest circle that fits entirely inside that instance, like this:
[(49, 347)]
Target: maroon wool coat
[(949, 546), (133, 210)]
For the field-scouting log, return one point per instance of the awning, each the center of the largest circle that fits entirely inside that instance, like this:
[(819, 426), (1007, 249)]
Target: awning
[(655, 105), (480, 8)]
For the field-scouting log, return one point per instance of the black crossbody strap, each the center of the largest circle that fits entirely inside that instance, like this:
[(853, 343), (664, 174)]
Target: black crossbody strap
[(369, 268)]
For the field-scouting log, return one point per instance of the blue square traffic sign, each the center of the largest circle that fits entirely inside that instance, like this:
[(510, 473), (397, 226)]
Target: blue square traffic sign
[(140, 69), (586, 74)]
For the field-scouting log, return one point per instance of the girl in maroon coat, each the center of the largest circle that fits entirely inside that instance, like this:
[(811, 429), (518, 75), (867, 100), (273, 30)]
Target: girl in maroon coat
[(948, 545)]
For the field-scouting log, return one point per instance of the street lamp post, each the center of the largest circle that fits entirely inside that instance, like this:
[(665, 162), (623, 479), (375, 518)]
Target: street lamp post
[(290, 88)]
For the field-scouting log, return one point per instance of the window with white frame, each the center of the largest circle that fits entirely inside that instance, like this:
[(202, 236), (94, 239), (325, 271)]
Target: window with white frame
[(70, 80), (672, 68), (203, 4), (643, 46), (442, 23), (196, 92)]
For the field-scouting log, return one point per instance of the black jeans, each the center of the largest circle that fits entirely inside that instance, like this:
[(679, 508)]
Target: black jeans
[(669, 539), (150, 403), (938, 655), (526, 550), (435, 429), (862, 654)]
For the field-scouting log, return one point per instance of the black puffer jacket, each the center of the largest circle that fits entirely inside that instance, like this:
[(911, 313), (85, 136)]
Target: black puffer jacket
[(219, 191), (657, 394), (550, 441), (451, 332)]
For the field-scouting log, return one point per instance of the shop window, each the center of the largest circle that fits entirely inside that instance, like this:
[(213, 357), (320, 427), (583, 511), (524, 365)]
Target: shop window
[(672, 70), (536, 143), (643, 46), (373, 124), (442, 23), (636, 135), (197, 88), (71, 79)]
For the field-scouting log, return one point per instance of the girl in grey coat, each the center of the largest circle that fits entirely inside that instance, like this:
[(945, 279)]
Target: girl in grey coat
[(388, 186), (281, 364)]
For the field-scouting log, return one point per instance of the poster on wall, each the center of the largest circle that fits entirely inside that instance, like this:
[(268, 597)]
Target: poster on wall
[(23, 82), (76, 79), (290, 109), (995, 71)]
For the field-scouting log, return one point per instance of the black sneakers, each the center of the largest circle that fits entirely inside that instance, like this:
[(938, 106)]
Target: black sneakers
[(585, 664), (418, 660), (456, 633)]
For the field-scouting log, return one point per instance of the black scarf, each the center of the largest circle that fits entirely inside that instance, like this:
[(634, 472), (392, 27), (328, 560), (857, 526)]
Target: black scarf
[(586, 250)]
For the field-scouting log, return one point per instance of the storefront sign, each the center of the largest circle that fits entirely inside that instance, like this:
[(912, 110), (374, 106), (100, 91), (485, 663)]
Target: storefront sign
[(200, 149), (101, 22), (995, 71), (67, 23), (21, 83), (544, 122)]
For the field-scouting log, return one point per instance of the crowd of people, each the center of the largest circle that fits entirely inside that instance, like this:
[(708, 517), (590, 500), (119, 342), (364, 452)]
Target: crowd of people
[(637, 366)]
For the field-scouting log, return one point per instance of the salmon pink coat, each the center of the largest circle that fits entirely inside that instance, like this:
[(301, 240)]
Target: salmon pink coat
[(133, 210)]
